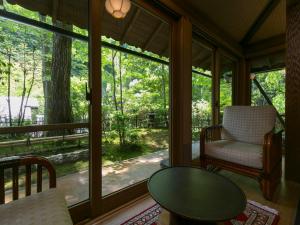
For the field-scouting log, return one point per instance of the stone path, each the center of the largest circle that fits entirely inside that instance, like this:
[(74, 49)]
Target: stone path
[(115, 177)]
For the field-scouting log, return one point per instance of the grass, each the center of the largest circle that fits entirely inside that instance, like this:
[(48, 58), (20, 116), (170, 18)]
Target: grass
[(148, 141), (69, 168)]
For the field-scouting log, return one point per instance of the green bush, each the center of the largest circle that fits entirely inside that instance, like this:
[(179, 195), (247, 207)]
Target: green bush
[(133, 137)]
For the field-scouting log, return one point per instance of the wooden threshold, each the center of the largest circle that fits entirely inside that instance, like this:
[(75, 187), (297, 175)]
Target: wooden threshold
[(114, 212)]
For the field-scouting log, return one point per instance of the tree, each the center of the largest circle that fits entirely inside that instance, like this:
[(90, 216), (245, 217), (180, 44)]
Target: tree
[(8, 72), (20, 55), (273, 84), (164, 94), (119, 110), (46, 67), (60, 106)]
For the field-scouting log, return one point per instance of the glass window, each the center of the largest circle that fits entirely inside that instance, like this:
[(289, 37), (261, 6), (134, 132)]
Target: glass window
[(270, 87), (201, 92), (135, 98), (226, 83), (42, 81)]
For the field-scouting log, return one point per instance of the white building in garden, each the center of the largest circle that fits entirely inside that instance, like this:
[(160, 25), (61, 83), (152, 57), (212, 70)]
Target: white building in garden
[(15, 102)]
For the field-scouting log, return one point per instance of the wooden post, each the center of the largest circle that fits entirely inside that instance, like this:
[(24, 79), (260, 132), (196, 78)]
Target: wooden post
[(95, 12), (181, 92), (242, 88), (293, 93), (216, 87)]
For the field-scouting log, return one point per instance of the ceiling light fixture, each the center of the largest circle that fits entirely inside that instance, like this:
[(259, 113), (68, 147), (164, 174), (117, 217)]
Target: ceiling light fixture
[(118, 8)]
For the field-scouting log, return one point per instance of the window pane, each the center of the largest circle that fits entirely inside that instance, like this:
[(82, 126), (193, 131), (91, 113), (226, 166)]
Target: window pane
[(226, 79), (201, 92), (42, 82), (135, 98), (273, 85)]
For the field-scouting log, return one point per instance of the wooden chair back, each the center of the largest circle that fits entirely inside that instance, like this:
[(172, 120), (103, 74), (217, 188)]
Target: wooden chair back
[(14, 163)]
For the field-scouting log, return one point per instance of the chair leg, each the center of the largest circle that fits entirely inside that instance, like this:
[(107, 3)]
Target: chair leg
[(203, 163), (270, 183), (267, 190)]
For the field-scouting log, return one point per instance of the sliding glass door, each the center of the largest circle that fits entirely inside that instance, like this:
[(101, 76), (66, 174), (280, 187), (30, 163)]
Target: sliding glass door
[(95, 102), (135, 98), (228, 68), (202, 78), (43, 108)]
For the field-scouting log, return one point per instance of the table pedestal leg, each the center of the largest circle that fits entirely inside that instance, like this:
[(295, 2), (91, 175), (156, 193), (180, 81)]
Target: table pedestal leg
[(178, 220)]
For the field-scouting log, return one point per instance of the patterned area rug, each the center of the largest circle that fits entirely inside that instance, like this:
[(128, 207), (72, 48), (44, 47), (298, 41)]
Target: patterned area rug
[(254, 214), (147, 217)]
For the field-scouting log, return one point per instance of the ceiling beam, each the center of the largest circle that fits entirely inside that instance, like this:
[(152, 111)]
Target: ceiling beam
[(265, 69), (199, 56), (206, 29), (207, 61), (130, 24), (259, 21), (153, 34), (164, 51), (265, 47), (202, 60)]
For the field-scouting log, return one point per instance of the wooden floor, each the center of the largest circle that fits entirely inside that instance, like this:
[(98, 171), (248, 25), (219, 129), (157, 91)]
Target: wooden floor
[(285, 201)]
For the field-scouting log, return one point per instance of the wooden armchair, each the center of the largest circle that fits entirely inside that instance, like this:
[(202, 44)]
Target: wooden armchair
[(246, 144), (14, 163), (46, 207)]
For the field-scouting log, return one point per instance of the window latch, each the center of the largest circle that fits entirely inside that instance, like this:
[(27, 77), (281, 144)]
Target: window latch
[(88, 93)]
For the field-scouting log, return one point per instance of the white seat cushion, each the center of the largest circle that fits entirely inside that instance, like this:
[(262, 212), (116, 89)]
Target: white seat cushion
[(237, 152), (248, 123), (44, 208)]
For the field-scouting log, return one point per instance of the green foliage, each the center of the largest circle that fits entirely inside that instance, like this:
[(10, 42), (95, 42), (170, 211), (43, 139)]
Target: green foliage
[(273, 84), (133, 136), (201, 103), (225, 91), (143, 141)]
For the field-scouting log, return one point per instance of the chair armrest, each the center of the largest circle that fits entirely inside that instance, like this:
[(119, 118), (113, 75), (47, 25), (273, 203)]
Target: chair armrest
[(272, 150), (211, 133)]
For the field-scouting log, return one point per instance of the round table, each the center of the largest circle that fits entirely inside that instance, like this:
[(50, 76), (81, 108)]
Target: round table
[(195, 196)]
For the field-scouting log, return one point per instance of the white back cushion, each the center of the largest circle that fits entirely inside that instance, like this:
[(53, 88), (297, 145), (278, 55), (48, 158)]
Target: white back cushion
[(248, 123)]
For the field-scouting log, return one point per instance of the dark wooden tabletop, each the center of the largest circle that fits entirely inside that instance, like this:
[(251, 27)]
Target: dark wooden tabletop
[(196, 194)]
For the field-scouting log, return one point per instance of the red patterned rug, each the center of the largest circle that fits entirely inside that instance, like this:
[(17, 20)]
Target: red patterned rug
[(254, 214)]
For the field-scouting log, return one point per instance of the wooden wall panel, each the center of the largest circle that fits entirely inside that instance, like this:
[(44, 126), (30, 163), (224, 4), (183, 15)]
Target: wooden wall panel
[(293, 94)]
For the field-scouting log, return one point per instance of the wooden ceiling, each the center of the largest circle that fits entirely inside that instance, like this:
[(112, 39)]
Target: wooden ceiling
[(246, 22), (249, 23), (236, 17), (139, 28)]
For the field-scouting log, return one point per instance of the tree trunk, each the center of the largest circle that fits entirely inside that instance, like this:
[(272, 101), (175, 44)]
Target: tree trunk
[(122, 127), (24, 87), (60, 106), (31, 83), (121, 84), (9, 87), (113, 55), (46, 70), (164, 95)]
